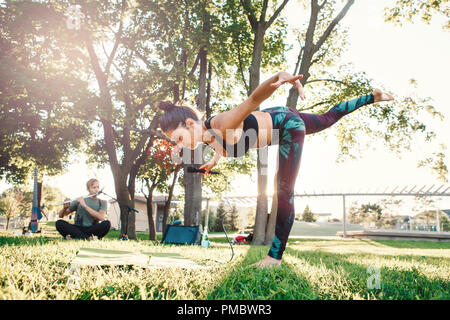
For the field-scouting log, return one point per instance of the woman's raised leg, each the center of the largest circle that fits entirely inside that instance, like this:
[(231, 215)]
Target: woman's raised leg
[(318, 122)]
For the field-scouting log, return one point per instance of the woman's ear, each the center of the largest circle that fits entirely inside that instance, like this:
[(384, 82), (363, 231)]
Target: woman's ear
[(189, 123)]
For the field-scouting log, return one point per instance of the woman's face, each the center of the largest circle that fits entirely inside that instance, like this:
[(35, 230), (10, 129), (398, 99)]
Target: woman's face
[(94, 187), (188, 136)]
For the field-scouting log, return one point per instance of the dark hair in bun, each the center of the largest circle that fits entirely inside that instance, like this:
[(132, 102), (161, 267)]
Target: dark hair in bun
[(166, 106), (175, 115)]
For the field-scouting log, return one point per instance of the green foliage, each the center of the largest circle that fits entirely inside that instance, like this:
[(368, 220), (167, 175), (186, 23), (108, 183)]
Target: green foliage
[(177, 214), (235, 222), (327, 82), (445, 223), (382, 214), (212, 219), (408, 11), (159, 167), (12, 204), (437, 163), (308, 215), (39, 86), (225, 218), (240, 39), (220, 217), (50, 197)]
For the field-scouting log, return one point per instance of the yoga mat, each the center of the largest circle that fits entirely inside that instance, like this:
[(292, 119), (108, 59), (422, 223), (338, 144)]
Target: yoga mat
[(103, 257)]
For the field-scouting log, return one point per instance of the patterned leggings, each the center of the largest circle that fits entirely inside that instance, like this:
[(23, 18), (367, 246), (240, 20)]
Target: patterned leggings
[(293, 126)]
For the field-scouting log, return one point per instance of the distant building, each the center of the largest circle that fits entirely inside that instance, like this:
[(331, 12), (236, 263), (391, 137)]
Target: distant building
[(242, 207), (322, 217), (447, 212), (140, 204)]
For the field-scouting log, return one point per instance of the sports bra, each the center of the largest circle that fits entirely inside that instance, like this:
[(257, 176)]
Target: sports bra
[(245, 142)]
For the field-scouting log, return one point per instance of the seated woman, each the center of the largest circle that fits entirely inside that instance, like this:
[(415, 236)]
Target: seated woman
[(89, 218), (227, 134)]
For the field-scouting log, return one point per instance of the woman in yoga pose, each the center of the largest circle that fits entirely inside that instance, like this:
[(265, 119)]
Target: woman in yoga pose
[(233, 132)]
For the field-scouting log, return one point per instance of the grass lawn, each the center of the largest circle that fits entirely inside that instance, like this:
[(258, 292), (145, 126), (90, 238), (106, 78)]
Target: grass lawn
[(36, 268)]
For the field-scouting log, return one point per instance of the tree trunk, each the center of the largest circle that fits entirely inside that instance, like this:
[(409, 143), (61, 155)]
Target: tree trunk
[(169, 200), (259, 26), (261, 202), (124, 193), (193, 181), (201, 101), (151, 221), (127, 218), (208, 92), (193, 193)]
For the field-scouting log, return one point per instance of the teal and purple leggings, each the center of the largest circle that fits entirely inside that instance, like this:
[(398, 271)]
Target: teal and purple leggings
[(293, 126)]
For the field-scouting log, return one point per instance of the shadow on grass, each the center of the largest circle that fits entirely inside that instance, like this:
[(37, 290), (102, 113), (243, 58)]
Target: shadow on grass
[(142, 236), (253, 283), (52, 237), (394, 284), (25, 241)]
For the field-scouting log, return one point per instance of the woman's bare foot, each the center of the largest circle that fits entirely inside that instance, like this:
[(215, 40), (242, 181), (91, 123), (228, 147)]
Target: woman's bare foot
[(68, 237), (381, 96), (267, 262)]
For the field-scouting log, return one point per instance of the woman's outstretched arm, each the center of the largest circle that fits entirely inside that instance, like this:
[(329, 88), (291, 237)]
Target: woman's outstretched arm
[(231, 119), (268, 87)]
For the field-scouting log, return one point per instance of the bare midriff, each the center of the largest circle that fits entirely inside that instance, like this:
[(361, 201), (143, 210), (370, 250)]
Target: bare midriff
[(265, 126)]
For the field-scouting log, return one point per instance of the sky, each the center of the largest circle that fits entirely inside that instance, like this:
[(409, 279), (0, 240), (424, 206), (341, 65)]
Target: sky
[(389, 54)]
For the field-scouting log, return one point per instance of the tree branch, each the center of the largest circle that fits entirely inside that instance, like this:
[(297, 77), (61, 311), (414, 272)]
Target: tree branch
[(276, 13), (318, 58), (246, 4), (107, 127), (262, 17), (326, 80), (323, 3), (194, 67), (118, 37), (333, 23), (317, 104), (101, 78), (145, 135), (309, 37), (241, 68), (127, 101), (109, 142), (297, 65), (130, 45)]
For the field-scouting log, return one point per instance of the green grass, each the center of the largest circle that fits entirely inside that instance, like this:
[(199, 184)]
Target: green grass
[(301, 228), (36, 268)]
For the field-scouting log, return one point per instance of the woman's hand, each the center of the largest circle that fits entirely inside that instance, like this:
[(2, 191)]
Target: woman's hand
[(208, 167), (284, 77)]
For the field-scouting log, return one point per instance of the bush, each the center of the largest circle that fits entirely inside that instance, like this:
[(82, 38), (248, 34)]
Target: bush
[(308, 216)]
